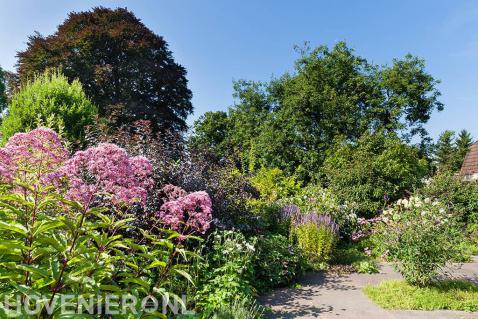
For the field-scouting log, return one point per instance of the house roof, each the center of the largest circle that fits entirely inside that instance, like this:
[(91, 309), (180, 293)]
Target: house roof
[(470, 164)]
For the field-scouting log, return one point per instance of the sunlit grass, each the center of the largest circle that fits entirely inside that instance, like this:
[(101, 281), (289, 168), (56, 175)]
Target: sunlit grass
[(449, 294)]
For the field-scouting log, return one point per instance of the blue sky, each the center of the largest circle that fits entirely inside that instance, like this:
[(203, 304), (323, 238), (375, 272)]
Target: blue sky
[(222, 41)]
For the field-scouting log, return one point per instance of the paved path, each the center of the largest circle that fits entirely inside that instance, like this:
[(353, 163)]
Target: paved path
[(334, 296)]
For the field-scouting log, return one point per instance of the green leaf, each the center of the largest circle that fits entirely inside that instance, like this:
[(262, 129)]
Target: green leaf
[(12, 245), (14, 227), (157, 263), (137, 281), (185, 275), (46, 226), (37, 271)]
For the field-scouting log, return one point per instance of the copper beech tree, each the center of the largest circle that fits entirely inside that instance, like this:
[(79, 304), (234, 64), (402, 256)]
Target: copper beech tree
[(120, 62)]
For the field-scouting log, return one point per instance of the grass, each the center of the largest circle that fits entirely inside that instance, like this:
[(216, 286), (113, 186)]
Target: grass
[(449, 295)]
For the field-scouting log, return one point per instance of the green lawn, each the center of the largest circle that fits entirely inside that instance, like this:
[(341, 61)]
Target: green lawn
[(450, 294)]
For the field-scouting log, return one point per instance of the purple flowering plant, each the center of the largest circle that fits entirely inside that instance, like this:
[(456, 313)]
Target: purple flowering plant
[(315, 234)]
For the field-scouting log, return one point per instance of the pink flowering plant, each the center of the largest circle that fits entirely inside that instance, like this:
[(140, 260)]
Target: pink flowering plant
[(65, 223), (189, 214), (31, 157), (107, 170)]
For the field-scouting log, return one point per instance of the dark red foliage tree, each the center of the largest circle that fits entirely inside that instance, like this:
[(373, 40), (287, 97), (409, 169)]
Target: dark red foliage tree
[(119, 61)]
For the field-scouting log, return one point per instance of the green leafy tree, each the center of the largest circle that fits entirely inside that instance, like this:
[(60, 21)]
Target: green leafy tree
[(50, 99), (210, 133), (337, 93), (120, 62), (233, 134), (3, 95), (292, 121), (375, 170)]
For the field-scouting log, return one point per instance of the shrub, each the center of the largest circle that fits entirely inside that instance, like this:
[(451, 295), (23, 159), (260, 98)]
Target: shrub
[(229, 189), (272, 184), (226, 273), (421, 236), (461, 197), (276, 262), (50, 99)]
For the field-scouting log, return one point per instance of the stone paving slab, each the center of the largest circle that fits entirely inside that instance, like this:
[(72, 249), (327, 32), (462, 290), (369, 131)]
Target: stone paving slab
[(340, 296)]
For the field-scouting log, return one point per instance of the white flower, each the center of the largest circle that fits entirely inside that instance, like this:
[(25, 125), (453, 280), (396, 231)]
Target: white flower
[(250, 247)]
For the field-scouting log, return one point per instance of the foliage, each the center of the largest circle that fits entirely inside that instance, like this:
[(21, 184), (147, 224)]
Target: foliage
[(448, 295), (226, 273), (3, 88), (277, 262), (211, 133), (450, 151), (354, 253), (366, 267), (422, 236), (445, 152), (53, 245), (239, 309), (461, 197), (228, 188), (119, 61), (230, 191), (272, 184), (291, 122), (377, 169), (50, 99)]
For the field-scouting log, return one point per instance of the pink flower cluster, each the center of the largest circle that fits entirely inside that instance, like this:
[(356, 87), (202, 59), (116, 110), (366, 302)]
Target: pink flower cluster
[(107, 169), (32, 155), (39, 156), (188, 214), (172, 192), (6, 166)]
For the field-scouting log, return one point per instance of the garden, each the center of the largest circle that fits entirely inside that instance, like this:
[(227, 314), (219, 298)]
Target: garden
[(112, 207)]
